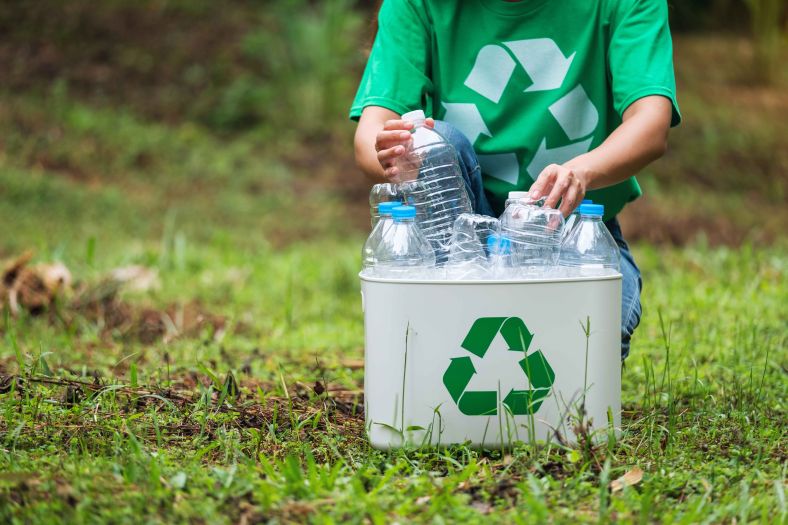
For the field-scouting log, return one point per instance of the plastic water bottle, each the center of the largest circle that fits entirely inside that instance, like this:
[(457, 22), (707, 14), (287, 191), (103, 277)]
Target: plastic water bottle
[(522, 197), (467, 256), (535, 236), (430, 175), (499, 250), (403, 251), (589, 249), (368, 251), (572, 219), (384, 192)]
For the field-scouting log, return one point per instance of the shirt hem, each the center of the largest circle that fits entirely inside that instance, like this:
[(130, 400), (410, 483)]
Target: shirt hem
[(654, 90), (388, 103)]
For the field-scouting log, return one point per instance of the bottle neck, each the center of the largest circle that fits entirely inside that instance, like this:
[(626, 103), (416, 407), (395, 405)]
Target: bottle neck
[(404, 220), (596, 218)]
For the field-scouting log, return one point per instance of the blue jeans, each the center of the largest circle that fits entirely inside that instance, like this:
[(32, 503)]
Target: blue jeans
[(631, 283)]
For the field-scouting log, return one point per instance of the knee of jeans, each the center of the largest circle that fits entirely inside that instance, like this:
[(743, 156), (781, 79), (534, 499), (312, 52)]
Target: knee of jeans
[(632, 313), (455, 137)]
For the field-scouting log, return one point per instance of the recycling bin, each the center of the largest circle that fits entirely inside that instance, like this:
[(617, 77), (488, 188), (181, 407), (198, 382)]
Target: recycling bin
[(490, 363)]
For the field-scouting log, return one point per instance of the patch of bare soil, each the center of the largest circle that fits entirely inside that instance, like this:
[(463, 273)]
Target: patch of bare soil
[(332, 408)]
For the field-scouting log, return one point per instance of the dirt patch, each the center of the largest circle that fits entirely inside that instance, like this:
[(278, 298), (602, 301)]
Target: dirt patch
[(116, 317), (330, 409)]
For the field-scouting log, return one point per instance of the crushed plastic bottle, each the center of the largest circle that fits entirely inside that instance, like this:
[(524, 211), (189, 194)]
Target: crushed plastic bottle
[(522, 197), (499, 250), (535, 236), (467, 256), (589, 249), (403, 251), (368, 251), (432, 181)]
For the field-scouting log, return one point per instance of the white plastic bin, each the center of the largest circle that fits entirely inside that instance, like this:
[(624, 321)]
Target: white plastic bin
[(446, 361)]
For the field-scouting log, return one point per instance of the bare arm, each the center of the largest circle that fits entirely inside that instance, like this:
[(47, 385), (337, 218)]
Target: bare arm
[(381, 137), (639, 140)]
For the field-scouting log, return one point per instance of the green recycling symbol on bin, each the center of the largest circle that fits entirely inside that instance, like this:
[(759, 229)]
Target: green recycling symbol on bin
[(485, 403)]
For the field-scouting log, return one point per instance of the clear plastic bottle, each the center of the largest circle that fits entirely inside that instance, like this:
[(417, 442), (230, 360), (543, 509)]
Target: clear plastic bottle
[(384, 192), (467, 256), (499, 250), (572, 219), (368, 251), (522, 197), (535, 236), (430, 175), (403, 251), (589, 249)]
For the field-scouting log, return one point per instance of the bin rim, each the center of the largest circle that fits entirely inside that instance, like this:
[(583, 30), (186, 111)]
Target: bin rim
[(478, 282)]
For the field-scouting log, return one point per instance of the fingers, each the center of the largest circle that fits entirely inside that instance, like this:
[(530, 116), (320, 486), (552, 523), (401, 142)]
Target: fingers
[(390, 139), (560, 184), (390, 144), (570, 200), (387, 156), (544, 183), (397, 124), (393, 136), (560, 187), (391, 173)]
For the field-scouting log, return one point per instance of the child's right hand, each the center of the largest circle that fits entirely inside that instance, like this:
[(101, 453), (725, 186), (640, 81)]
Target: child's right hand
[(392, 142)]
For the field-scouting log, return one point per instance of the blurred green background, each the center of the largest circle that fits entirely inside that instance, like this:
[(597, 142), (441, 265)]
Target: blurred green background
[(228, 121)]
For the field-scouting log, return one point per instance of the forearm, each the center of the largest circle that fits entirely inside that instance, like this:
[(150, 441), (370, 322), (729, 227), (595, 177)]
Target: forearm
[(372, 122), (638, 141), (366, 156)]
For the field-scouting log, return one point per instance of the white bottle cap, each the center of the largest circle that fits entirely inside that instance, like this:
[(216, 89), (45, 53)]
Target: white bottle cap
[(518, 194), (414, 116)]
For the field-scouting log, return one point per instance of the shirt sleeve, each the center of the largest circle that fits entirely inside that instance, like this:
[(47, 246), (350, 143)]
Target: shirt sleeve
[(396, 76), (640, 55)]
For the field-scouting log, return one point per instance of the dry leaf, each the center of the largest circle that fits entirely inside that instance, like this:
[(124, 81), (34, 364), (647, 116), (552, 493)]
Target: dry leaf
[(32, 288), (632, 477), (422, 500)]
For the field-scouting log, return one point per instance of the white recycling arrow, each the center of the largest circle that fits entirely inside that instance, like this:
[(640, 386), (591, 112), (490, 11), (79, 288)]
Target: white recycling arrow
[(544, 157), (491, 72), (503, 166), (543, 61), (575, 113), (466, 118)]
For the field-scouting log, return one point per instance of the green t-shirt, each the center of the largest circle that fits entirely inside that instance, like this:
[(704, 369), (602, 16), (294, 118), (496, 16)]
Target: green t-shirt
[(530, 83)]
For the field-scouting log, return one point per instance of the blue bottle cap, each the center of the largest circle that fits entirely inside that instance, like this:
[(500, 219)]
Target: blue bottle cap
[(587, 201), (498, 244), (384, 208), (596, 210), (403, 212)]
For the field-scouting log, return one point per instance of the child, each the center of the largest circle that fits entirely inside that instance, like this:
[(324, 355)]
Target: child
[(566, 98)]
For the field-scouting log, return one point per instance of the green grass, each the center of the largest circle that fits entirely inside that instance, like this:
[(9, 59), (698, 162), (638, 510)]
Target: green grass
[(159, 437), (102, 423), (231, 393)]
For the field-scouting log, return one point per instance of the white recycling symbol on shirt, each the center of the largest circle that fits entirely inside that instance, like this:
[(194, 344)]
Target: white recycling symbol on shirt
[(547, 67)]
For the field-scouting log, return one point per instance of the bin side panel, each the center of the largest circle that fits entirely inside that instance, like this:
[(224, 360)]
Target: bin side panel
[(498, 405)]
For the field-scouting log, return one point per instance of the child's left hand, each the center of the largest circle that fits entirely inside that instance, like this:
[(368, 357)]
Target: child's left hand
[(560, 183)]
